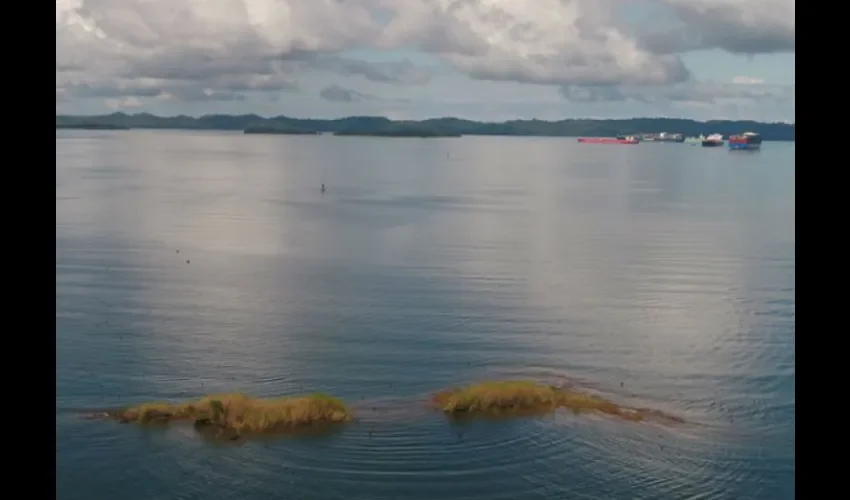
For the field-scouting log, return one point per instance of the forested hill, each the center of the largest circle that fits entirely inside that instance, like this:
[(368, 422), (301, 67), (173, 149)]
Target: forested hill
[(374, 125)]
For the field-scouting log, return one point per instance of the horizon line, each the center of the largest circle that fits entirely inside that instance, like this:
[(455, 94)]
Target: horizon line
[(270, 117)]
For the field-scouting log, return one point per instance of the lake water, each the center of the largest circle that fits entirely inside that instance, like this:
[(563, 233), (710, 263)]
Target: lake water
[(661, 275)]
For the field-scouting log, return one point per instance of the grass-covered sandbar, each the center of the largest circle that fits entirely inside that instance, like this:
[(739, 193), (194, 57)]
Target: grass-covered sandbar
[(240, 414), (520, 397)]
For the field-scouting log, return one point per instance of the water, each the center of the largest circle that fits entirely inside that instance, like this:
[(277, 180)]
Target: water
[(660, 274)]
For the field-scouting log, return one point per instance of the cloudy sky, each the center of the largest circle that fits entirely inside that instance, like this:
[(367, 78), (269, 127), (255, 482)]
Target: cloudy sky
[(479, 59)]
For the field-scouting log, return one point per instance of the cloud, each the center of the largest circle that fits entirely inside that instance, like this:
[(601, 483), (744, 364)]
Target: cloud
[(396, 72), (694, 94), (222, 88), (589, 93), (335, 93), (232, 49), (125, 103), (747, 80), (736, 26), (549, 42), (227, 45)]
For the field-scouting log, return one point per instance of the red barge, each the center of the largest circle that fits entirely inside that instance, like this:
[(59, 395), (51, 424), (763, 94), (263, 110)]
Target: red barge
[(747, 141)]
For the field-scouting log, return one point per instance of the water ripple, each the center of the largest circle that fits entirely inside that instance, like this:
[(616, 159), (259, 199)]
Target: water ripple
[(195, 263)]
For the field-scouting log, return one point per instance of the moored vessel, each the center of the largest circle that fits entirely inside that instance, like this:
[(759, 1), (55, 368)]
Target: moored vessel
[(669, 137), (713, 141), (747, 140), (609, 140)]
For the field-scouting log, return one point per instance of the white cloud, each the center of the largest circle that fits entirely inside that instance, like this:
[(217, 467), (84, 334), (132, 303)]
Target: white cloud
[(747, 80), (111, 49), (188, 40), (704, 92), (551, 41), (125, 103), (739, 26)]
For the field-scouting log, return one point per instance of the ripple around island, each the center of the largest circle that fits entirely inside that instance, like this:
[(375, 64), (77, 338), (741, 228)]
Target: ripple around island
[(231, 417)]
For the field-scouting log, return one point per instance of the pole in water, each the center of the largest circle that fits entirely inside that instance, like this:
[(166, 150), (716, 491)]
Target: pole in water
[(323, 189)]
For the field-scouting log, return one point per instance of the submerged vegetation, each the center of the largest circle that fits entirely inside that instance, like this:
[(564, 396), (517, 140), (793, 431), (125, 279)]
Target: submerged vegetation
[(240, 414), (518, 397), (232, 416)]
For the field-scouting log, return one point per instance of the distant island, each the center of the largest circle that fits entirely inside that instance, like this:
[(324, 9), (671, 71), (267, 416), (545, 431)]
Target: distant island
[(435, 127), (90, 126)]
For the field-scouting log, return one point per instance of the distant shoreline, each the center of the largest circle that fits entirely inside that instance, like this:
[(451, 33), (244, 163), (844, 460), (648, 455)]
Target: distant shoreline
[(89, 126), (376, 126)]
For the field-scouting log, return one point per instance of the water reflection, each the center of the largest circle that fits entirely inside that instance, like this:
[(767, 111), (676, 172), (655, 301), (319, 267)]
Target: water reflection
[(190, 263)]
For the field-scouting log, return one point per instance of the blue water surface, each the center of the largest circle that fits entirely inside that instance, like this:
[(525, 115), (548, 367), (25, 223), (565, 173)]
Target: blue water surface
[(661, 275)]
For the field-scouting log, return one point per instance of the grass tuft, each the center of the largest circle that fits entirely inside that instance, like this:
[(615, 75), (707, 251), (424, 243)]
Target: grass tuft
[(501, 397), (244, 414)]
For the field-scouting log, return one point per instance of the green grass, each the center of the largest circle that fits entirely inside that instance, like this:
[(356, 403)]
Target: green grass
[(517, 396), (242, 413)]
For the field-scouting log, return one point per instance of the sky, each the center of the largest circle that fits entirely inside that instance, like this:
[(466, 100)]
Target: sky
[(488, 60)]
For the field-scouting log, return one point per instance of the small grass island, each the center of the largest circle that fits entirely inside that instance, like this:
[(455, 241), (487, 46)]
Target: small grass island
[(524, 397), (235, 415)]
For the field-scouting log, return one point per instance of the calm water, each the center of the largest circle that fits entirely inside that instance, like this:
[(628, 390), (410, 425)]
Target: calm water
[(660, 274)]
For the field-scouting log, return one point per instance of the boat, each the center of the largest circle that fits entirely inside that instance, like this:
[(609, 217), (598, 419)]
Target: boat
[(628, 139), (694, 141), (713, 141), (747, 140), (668, 137)]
